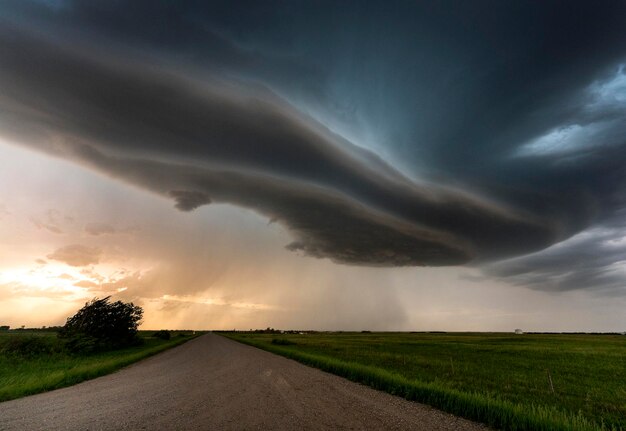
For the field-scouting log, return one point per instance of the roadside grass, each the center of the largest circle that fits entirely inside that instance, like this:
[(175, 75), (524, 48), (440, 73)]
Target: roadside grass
[(35, 362), (510, 382)]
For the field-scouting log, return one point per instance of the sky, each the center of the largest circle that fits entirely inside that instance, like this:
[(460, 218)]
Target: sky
[(351, 165)]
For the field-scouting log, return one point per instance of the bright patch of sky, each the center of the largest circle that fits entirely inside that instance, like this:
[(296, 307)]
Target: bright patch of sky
[(605, 97)]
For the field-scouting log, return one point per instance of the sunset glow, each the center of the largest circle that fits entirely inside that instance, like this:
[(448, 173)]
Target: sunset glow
[(312, 175)]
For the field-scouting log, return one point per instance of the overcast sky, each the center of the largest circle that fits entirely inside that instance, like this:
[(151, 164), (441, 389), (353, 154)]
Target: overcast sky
[(353, 165)]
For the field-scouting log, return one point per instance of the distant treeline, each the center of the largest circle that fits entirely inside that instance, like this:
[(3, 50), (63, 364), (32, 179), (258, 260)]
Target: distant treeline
[(270, 331), (579, 333), (24, 329), (58, 328), (310, 331)]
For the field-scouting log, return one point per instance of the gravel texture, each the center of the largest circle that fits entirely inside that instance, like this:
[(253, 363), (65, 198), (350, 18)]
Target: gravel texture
[(213, 383)]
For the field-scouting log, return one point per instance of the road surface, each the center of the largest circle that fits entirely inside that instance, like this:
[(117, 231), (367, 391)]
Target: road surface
[(213, 383)]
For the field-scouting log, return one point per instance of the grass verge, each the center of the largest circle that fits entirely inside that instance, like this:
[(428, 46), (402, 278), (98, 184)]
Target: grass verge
[(22, 375), (480, 405)]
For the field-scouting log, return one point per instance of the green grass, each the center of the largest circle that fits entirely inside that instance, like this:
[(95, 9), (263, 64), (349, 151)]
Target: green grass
[(502, 380), (47, 366)]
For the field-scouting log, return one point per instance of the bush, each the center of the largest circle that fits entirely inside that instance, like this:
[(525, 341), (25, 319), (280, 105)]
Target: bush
[(282, 342), (102, 325), (163, 334), (29, 346)]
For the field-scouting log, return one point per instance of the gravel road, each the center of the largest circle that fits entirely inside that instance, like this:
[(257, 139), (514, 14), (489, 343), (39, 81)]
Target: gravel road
[(213, 383)]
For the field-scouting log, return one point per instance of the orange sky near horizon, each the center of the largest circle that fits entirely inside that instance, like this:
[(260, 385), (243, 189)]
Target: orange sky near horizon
[(68, 235)]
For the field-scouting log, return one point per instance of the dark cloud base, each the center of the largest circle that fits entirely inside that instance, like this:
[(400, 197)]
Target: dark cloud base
[(515, 119), (237, 145)]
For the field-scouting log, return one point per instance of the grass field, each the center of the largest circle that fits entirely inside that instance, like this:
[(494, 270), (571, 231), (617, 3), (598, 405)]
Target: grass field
[(41, 364), (513, 382)]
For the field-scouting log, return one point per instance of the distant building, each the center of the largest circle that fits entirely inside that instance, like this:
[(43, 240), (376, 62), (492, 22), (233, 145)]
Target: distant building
[(519, 331)]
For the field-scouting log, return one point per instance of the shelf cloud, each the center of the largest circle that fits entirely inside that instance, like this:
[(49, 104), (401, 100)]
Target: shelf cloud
[(386, 148), (201, 142)]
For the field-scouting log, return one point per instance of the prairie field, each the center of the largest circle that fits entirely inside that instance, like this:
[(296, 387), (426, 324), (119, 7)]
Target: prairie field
[(508, 381), (33, 362)]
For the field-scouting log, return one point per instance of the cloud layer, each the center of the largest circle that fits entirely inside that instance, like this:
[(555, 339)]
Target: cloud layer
[(201, 142), (225, 267), (76, 255), (493, 148)]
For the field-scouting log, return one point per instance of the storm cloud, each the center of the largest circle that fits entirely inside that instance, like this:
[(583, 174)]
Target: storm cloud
[(423, 137)]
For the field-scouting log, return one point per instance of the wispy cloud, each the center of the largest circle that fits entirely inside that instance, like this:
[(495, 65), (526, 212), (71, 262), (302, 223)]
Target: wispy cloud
[(76, 255)]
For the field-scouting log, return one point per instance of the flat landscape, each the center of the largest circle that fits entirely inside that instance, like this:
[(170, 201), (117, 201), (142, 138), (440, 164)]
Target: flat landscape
[(388, 182), (530, 381), (212, 382), (33, 362)]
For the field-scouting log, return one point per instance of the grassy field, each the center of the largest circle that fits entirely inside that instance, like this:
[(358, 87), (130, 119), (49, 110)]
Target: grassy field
[(513, 382), (40, 364)]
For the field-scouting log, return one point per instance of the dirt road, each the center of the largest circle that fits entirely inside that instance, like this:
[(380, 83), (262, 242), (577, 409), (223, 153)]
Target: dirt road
[(212, 383)]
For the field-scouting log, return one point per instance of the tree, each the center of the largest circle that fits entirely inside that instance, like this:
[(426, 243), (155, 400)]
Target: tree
[(102, 325)]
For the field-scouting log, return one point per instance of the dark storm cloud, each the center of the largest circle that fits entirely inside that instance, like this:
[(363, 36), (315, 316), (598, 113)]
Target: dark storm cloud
[(325, 223), (344, 204), (189, 200), (520, 103), (590, 260)]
